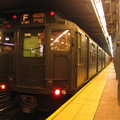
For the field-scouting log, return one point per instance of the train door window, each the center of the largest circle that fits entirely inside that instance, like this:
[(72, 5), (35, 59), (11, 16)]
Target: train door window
[(79, 48), (33, 44), (8, 42), (60, 40), (93, 53), (99, 55)]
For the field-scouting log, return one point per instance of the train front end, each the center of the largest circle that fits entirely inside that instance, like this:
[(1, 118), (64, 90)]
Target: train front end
[(38, 61)]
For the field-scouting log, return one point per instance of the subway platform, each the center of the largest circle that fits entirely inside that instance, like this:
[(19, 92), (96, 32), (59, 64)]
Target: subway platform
[(96, 101)]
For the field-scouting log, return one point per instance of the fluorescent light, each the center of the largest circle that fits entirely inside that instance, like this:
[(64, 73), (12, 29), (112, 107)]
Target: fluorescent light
[(110, 42), (11, 44), (97, 5), (100, 13), (7, 38)]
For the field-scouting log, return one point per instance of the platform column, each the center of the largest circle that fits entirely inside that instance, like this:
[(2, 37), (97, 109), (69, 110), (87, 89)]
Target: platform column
[(117, 62), (118, 70)]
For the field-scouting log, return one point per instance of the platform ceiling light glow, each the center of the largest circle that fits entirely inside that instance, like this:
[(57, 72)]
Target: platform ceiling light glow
[(97, 4), (56, 40), (110, 42)]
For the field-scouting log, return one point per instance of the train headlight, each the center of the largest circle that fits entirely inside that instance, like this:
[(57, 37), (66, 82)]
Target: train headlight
[(57, 92), (64, 92), (3, 86)]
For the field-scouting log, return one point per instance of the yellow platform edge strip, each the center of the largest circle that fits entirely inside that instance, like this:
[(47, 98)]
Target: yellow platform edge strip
[(53, 115)]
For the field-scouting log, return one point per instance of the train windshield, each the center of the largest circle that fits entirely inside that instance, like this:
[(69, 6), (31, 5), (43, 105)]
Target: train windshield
[(33, 44), (60, 40), (8, 41)]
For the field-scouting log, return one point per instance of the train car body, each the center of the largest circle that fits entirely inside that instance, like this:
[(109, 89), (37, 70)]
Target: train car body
[(44, 54)]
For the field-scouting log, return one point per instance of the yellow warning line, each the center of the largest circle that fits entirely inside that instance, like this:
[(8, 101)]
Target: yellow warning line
[(52, 116)]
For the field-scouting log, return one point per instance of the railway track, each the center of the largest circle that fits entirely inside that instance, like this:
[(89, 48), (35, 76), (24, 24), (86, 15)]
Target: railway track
[(9, 110)]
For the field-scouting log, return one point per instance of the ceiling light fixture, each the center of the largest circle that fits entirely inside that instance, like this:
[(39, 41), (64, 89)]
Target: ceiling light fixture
[(98, 7)]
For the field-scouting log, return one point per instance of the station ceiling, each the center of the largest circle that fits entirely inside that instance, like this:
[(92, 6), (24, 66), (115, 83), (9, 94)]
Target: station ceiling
[(79, 11)]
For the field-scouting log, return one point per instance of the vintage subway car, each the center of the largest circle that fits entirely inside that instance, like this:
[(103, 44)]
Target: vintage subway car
[(44, 57)]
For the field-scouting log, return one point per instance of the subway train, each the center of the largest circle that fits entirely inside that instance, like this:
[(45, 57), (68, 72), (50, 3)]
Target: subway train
[(44, 57)]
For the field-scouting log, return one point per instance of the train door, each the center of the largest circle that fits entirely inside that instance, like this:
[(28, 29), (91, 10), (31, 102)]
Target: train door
[(30, 70), (57, 50), (82, 61), (93, 59)]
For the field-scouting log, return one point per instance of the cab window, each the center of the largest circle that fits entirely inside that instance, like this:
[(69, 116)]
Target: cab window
[(8, 41), (33, 44)]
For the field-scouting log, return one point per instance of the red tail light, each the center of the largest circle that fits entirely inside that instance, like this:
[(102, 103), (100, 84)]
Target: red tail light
[(52, 13), (59, 92), (8, 26), (14, 16)]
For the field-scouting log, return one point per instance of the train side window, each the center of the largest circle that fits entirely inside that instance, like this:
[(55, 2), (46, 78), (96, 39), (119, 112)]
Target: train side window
[(8, 41), (79, 49), (33, 44), (60, 40)]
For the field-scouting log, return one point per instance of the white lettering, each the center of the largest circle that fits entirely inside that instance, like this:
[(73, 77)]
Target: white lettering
[(25, 16)]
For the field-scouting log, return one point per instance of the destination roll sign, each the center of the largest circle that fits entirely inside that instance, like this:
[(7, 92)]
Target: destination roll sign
[(33, 18)]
